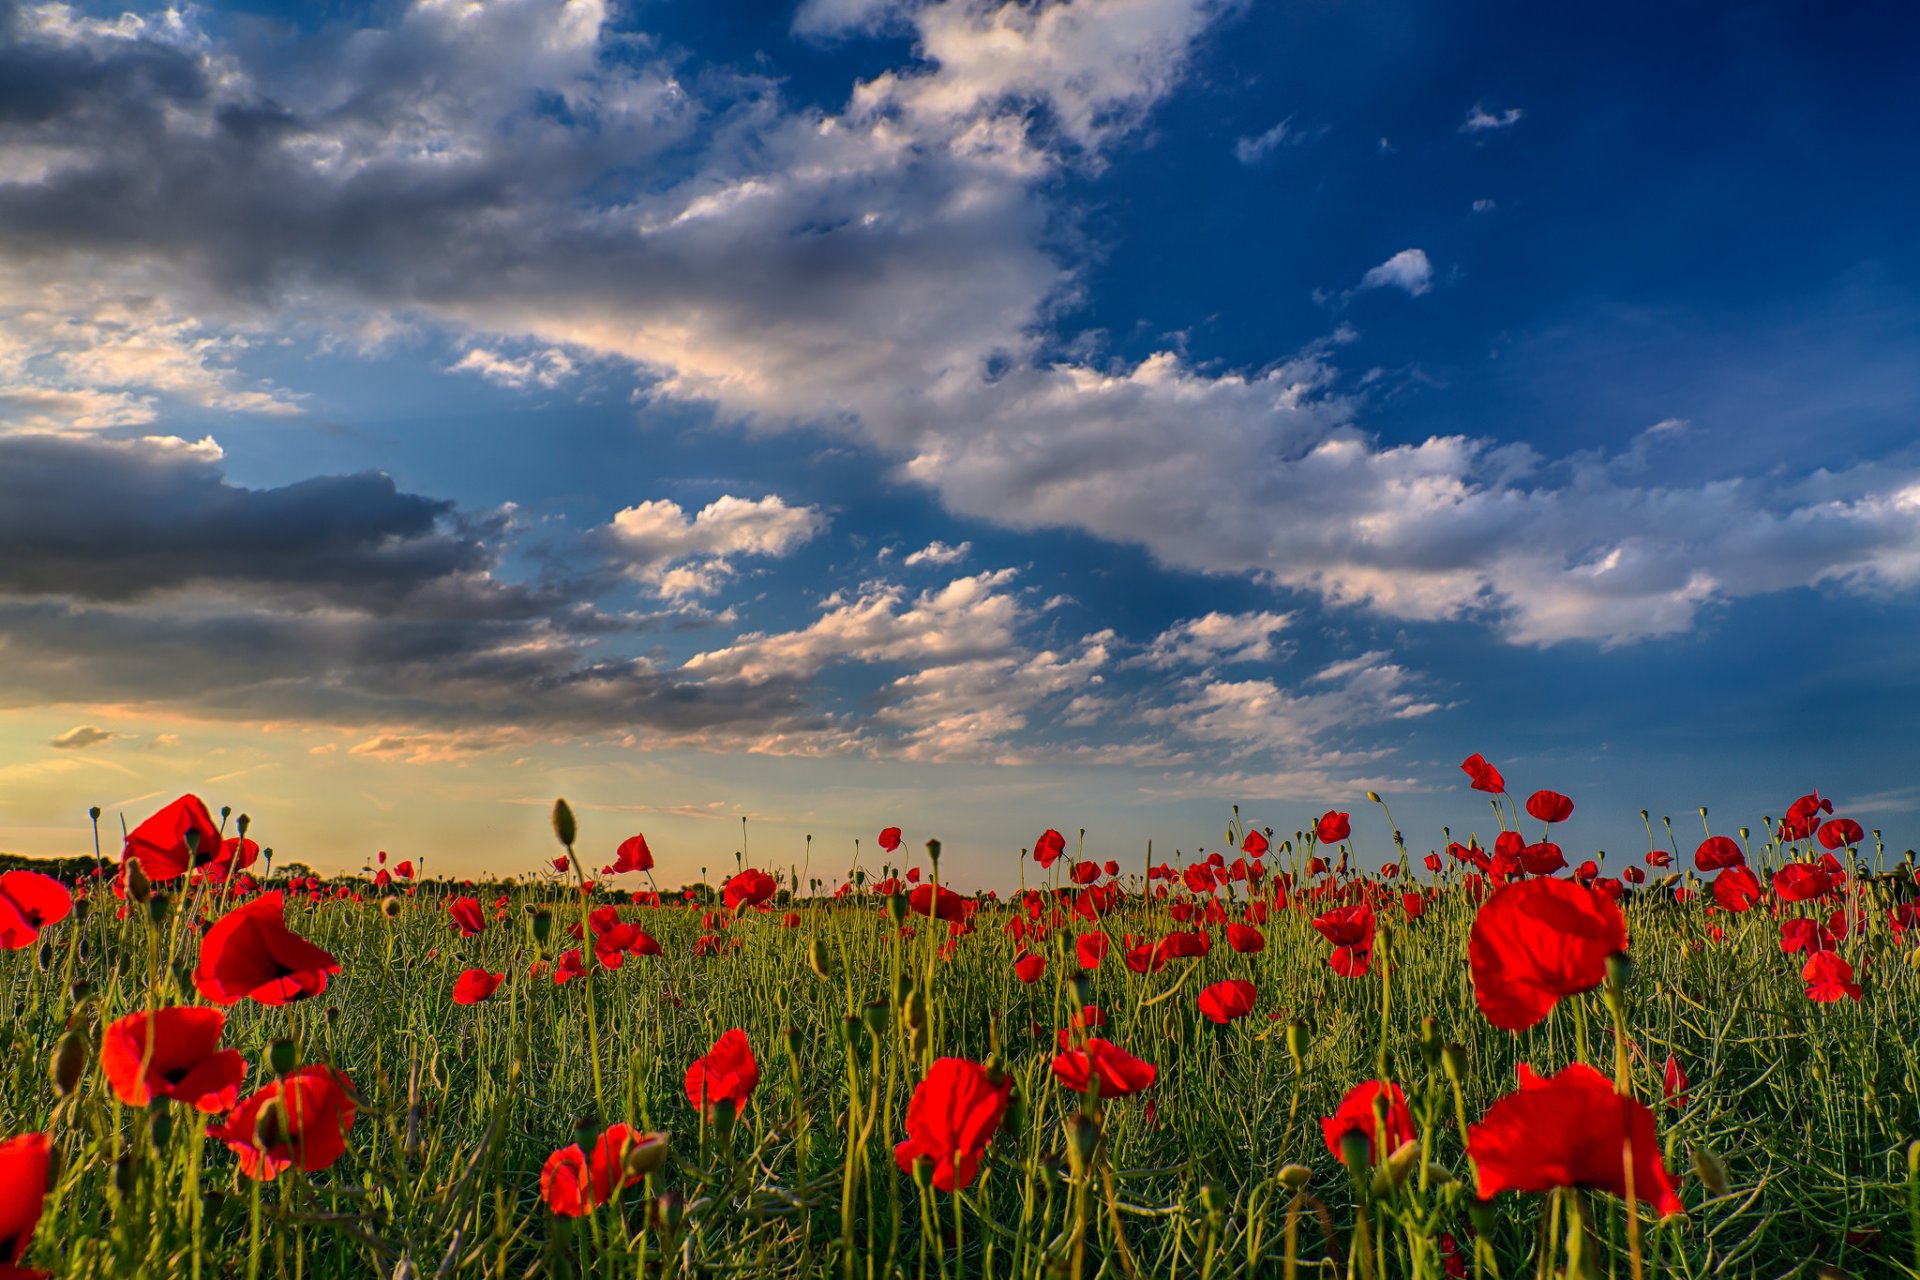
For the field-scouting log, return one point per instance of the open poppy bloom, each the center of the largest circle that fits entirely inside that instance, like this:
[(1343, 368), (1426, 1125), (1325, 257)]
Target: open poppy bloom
[(1333, 827), (1090, 949), (1829, 978), (467, 917), (24, 1169), (1484, 777), (938, 901), (29, 902), (888, 839), (1355, 1115), (1840, 833), (1246, 939), (726, 1075), (476, 985), (250, 952), (1736, 889), (1542, 859), (951, 1117), (306, 1130), (1799, 881), (1120, 1073), (172, 1053), (632, 855), (1549, 806), (1048, 848), (1225, 1002), (180, 836), (1029, 967), (1538, 940), (571, 1184), (748, 889), (1715, 854), (1572, 1130)]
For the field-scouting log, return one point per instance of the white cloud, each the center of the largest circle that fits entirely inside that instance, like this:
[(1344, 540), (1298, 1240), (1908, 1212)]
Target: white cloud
[(82, 736), (547, 368), (1407, 269), (1480, 120), (1253, 149), (681, 555), (1217, 637), (939, 553)]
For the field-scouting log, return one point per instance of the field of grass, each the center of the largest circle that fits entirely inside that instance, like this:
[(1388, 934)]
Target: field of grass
[(1788, 1140)]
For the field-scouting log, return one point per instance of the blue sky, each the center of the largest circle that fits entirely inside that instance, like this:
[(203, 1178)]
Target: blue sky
[(972, 417)]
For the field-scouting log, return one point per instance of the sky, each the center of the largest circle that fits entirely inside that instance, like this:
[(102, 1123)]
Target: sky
[(766, 423)]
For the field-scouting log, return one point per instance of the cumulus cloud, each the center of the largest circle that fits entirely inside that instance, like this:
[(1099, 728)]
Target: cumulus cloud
[(1407, 269), (80, 737), (546, 369), (938, 553), (1217, 637), (681, 555)]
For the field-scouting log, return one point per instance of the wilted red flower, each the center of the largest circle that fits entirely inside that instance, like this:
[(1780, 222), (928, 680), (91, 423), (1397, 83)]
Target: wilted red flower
[(1224, 1002), (1840, 833), (1736, 889), (1484, 776), (1829, 978), (938, 901), (1673, 1084), (25, 1167), (1333, 827), (1549, 806), (572, 1185), (750, 888), (309, 1129), (1245, 939), (172, 1053), (951, 1117), (467, 917), (1355, 1115), (632, 855), (251, 952), (1048, 848), (1535, 941), (1800, 881), (1120, 1073), (180, 836), (1717, 853), (1570, 1131), (1029, 967), (29, 902), (476, 985), (726, 1075)]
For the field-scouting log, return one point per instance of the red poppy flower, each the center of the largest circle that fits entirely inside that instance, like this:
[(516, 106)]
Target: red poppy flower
[(1829, 978), (1225, 1002), (1333, 827), (24, 1170), (29, 902), (1090, 949), (1673, 1084), (316, 1109), (1634, 875), (180, 836), (1538, 940), (1120, 1073), (726, 1075), (404, 869), (1661, 858), (467, 916), (632, 854), (1048, 848), (1800, 881), (1084, 872), (1570, 1131), (1355, 1115), (1542, 859), (1254, 845), (1245, 939), (476, 985), (1736, 889), (937, 901), (1717, 853), (1803, 816), (1549, 806), (1840, 833), (951, 1117), (1351, 962), (1350, 926), (1483, 776), (572, 965), (1029, 967), (748, 889), (572, 1185), (1433, 863), (1414, 904), (236, 853), (172, 1053), (251, 952)]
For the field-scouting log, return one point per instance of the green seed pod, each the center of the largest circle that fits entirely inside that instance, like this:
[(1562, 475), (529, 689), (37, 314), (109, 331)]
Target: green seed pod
[(69, 1064), (897, 909), (283, 1055), (817, 959), (1297, 1043), (1453, 1060), (542, 925), (875, 1014), (563, 824), (157, 907)]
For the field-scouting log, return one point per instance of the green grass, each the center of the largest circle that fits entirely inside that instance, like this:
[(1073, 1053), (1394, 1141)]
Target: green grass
[(1810, 1108)]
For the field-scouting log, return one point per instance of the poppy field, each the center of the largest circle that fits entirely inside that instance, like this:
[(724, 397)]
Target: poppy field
[(1337, 1051)]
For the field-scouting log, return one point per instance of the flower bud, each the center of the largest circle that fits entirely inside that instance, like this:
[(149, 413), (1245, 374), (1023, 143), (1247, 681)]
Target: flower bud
[(159, 1123), (124, 1174), (563, 825), (1295, 1176), (390, 907), (897, 909), (542, 925), (69, 1064), (1297, 1043), (139, 888), (283, 1055), (817, 958), (1082, 984), (874, 1013), (45, 956), (1388, 1177), (157, 907), (270, 1126), (1453, 1060), (646, 1154), (1713, 1174)]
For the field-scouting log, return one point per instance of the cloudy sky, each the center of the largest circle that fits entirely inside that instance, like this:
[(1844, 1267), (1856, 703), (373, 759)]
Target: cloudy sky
[(971, 416)]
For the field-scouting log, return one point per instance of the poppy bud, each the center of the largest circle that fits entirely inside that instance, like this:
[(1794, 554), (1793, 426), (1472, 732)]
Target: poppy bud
[(390, 907), (80, 989), (159, 1123), (542, 925), (817, 958), (157, 907), (1619, 970), (46, 956), (874, 1014), (1374, 796), (69, 1063), (647, 1154), (1297, 1043), (902, 987), (94, 813), (897, 909), (192, 841), (668, 1212), (1083, 1135), (283, 1055), (81, 909), (1014, 1119), (1355, 1150), (790, 1041), (849, 1030), (933, 851), (563, 824), (1453, 1060), (1430, 1041), (1082, 984), (1713, 1174), (139, 888), (333, 1015), (1481, 1214), (1388, 1177), (1295, 1177), (270, 1126), (123, 1174), (916, 1009)]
